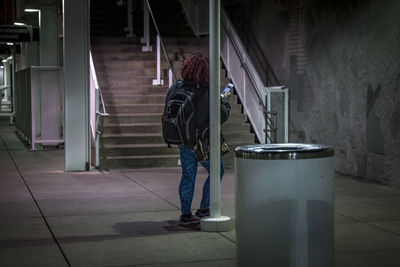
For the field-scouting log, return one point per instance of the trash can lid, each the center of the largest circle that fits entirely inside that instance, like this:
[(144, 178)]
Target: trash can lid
[(284, 151)]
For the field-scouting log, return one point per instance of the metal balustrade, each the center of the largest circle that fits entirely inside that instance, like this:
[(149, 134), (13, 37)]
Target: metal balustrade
[(160, 45), (96, 98), (255, 97), (253, 93), (5, 97), (39, 104)]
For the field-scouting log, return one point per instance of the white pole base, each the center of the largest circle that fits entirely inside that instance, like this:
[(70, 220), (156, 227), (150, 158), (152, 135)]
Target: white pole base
[(158, 82), (221, 224), (147, 48)]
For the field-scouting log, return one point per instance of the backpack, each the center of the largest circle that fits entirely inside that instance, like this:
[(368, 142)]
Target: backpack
[(178, 122)]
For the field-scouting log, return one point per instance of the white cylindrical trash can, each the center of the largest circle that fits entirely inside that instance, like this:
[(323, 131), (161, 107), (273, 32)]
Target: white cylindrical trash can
[(285, 205)]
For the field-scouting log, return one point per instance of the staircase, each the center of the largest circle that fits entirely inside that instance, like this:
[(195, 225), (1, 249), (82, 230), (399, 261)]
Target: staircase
[(132, 134)]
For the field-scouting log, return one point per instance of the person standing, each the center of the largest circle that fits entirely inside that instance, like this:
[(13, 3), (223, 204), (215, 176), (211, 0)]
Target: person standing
[(195, 74)]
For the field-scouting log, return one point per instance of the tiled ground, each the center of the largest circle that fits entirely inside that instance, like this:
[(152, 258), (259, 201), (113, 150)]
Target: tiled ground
[(129, 218)]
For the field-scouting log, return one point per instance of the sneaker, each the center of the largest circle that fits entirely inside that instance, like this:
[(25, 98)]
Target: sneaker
[(188, 219), (203, 212)]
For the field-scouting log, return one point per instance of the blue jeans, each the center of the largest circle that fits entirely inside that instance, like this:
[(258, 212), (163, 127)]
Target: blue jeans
[(189, 164)]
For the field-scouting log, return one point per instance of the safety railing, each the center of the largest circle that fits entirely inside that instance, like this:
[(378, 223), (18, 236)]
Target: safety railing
[(196, 12), (160, 45), (255, 97), (5, 98), (96, 98), (243, 74), (39, 105)]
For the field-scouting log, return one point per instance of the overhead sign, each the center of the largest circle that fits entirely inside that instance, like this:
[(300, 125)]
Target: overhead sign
[(11, 33)]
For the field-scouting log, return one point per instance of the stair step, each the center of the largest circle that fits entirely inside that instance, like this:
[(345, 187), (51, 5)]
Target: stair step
[(231, 125), (132, 128), (135, 99), (135, 108), (138, 150), (138, 89), (154, 161), (112, 47), (133, 118), (127, 55), (114, 40), (138, 138), (124, 73), (125, 83)]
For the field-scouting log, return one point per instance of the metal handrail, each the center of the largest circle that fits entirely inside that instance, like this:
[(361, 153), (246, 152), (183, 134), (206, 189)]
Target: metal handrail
[(98, 96), (260, 91), (161, 41), (96, 85), (242, 61)]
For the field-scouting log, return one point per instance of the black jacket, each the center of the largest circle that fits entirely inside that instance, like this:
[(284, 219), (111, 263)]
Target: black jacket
[(202, 105)]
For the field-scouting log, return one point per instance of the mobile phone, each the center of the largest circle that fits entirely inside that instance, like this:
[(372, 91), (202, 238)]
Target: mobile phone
[(227, 90)]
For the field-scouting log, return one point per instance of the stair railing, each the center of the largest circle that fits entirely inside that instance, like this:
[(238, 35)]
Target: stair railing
[(160, 45), (249, 85), (96, 98)]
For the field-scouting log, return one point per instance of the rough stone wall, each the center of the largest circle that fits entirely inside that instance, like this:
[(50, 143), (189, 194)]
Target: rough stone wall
[(341, 61)]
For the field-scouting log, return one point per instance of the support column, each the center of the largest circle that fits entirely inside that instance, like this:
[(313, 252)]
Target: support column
[(76, 84), (50, 91), (48, 44), (215, 223)]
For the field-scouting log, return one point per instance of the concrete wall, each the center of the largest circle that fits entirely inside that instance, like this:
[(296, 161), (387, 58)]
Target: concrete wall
[(341, 60)]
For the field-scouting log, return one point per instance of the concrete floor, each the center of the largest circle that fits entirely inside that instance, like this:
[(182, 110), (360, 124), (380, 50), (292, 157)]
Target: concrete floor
[(130, 217)]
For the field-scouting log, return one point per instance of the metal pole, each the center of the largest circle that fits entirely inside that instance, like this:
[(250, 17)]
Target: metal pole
[(158, 81), (146, 34), (170, 79), (130, 18), (216, 222), (33, 109), (286, 115), (96, 134), (215, 118), (268, 116)]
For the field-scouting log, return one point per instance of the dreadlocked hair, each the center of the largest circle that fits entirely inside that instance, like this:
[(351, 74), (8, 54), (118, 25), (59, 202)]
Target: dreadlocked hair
[(196, 68)]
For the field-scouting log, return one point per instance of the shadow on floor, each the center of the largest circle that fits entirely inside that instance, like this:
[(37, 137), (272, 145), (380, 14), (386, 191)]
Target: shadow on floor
[(123, 231)]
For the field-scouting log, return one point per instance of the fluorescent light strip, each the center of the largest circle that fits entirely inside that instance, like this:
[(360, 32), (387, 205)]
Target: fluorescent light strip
[(31, 10)]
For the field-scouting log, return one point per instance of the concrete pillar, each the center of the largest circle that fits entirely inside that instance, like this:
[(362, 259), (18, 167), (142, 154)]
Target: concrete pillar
[(48, 44), (76, 84)]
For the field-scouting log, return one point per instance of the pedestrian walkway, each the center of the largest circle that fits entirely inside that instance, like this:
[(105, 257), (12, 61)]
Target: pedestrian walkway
[(130, 217)]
